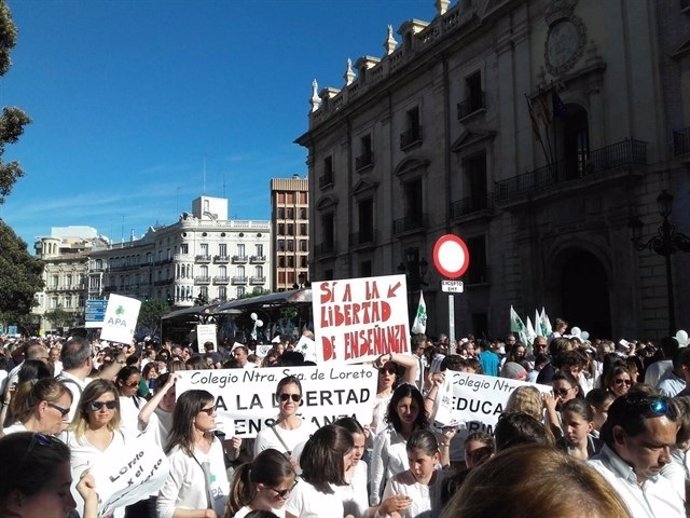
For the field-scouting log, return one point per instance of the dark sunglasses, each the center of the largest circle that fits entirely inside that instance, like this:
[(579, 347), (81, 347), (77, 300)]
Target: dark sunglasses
[(622, 381), (97, 405), (389, 370), (283, 493), (295, 397), (562, 392), (63, 411), (208, 411)]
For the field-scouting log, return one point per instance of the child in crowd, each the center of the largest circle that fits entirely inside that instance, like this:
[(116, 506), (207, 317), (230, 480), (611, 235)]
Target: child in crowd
[(600, 400), (578, 417)]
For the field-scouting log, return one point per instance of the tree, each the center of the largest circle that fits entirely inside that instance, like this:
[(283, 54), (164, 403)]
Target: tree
[(150, 315), (20, 276), (60, 318), (12, 120)]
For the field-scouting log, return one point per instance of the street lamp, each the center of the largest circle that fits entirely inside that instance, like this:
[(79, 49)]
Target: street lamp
[(667, 242)]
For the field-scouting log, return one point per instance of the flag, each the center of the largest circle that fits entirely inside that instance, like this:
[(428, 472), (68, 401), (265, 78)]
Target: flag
[(545, 108), (537, 323), (559, 108), (419, 325), (545, 323), (535, 123), (517, 325), (529, 331)]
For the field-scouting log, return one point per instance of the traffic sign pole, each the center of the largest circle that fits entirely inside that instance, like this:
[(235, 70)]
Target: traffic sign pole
[(451, 323)]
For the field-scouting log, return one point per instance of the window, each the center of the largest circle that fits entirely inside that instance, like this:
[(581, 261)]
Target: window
[(223, 250), (290, 261), (222, 293), (366, 156), (303, 197), (303, 214), (281, 277), (303, 261), (259, 271), (281, 229), (240, 272), (68, 281), (414, 208), (478, 273), (366, 221), (290, 278), (291, 245), (327, 176), (281, 213), (303, 245), (240, 250), (222, 271), (55, 280), (413, 132), (303, 229), (53, 302), (290, 229), (281, 197), (281, 245), (68, 302), (204, 249), (289, 197), (365, 269), (240, 291), (204, 271), (289, 213), (474, 96), (203, 292), (328, 231), (281, 261), (475, 178)]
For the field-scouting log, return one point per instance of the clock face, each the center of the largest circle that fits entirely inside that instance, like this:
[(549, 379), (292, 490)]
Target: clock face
[(564, 45)]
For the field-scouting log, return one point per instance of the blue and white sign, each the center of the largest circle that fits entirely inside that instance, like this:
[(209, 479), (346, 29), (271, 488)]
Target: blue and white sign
[(94, 313)]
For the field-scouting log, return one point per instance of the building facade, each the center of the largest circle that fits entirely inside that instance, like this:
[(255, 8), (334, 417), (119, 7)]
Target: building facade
[(290, 226), (537, 130), (65, 254), (203, 257)]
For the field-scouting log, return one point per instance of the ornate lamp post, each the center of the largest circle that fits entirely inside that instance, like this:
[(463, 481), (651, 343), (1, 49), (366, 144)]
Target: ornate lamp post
[(667, 242)]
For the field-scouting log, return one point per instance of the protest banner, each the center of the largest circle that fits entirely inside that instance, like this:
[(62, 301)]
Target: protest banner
[(474, 401), (246, 403), (120, 320), (131, 478), (206, 333), (357, 320)]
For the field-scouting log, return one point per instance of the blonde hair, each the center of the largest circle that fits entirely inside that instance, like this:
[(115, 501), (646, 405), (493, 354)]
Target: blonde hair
[(91, 393), (526, 399), (535, 481)]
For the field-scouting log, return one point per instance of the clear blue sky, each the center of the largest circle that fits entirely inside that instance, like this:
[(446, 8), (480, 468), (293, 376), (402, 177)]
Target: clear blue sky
[(128, 98)]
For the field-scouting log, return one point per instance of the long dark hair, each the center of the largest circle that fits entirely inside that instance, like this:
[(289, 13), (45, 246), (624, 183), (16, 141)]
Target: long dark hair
[(403, 391), (188, 405), (322, 457)]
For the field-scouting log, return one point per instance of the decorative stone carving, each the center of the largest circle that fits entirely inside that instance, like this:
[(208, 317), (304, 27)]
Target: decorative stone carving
[(349, 73), (441, 6), (315, 100), (565, 44), (390, 42)]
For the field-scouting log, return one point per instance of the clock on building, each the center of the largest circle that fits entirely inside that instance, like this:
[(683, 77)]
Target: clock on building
[(565, 44)]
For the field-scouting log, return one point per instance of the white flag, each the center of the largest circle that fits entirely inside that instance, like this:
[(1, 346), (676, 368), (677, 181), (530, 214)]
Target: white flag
[(545, 323), (531, 334), (419, 325), (517, 325)]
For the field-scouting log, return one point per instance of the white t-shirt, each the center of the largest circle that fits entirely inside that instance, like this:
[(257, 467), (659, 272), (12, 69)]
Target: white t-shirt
[(185, 487), (426, 500), (389, 458), (355, 496), (267, 437), (244, 511), (306, 502), (129, 415)]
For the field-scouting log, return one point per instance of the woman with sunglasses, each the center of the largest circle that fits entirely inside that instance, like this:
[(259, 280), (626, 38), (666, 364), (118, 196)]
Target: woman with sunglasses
[(41, 406), (289, 429), (618, 381), (565, 388), (393, 369), (261, 485), (127, 382), (197, 485)]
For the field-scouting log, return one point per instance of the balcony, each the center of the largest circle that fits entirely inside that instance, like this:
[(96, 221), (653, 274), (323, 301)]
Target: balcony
[(469, 205), (257, 259), (162, 282), (410, 138), (364, 160), (202, 280), (471, 105), (221, 259), (221, 280), (410, 224), (239, 259), (627, 153), (326, 249), (363, 238), (681, 139), (203, 259), (326, 180), (237, 280), (257, 280)]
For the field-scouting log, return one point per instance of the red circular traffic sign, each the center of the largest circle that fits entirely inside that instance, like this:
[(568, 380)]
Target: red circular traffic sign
[(451, 256)]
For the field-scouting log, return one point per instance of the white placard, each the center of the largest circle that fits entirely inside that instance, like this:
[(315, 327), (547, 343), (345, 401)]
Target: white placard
[(133, 477), (206, 333), (245, 398), (120, 320), (358, 320), (475, 398)]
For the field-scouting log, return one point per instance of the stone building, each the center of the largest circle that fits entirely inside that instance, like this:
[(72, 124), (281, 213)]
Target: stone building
[(65, 254), (540, 131), (290, 226), (201, 258)]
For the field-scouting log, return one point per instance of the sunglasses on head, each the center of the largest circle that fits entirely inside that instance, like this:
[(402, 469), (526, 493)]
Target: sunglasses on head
[(63, 411), (36, 439), (283, 493), (294, 397), (97, 405)]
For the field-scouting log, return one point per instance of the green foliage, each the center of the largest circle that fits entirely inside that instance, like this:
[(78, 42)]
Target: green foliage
[(150, 315), (254, 293), (60, 318), (20, 276), (13, 119)]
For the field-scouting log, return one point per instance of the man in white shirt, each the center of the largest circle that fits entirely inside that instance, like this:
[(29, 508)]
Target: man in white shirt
[(638, 435)]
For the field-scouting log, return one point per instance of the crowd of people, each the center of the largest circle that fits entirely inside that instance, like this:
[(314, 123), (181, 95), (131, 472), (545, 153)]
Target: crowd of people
[(610, 439)]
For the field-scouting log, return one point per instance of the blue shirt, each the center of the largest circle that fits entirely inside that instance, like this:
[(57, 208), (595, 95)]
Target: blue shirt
[(489, 361)]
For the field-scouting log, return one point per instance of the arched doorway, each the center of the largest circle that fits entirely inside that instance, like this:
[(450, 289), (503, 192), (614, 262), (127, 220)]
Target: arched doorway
[(585, 293)]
